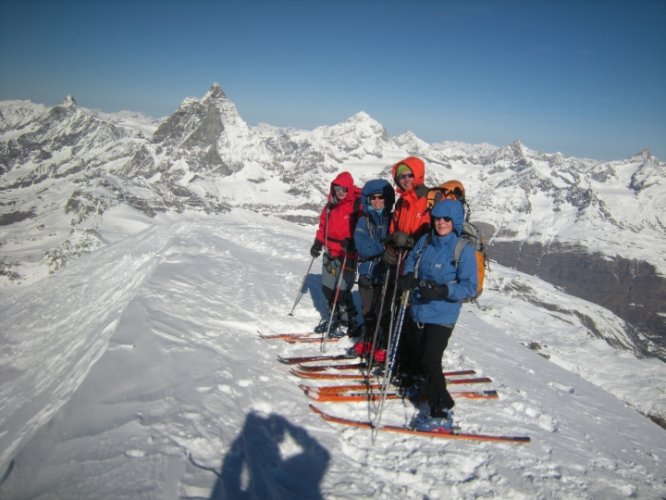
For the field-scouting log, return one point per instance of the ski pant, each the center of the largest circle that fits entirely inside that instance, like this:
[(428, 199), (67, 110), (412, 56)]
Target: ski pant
[(331, 269), (371, 303), (425, 345)]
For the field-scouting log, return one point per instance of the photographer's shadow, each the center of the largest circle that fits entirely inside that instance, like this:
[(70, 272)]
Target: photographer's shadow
[(272, 459), (313, 286)]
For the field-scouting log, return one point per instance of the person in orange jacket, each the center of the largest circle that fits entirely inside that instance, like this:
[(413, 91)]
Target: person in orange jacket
[(336, 234), (411, 218)]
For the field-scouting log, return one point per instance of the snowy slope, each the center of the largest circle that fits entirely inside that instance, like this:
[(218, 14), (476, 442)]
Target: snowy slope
[(136, 372)]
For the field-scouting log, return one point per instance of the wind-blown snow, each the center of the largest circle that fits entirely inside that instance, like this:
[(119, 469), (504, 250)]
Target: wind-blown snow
[(136, 372)]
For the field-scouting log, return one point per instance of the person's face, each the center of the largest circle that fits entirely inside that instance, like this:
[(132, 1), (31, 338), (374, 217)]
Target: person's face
[(377, 201), (405, 181), (443, 225), (340, 192)]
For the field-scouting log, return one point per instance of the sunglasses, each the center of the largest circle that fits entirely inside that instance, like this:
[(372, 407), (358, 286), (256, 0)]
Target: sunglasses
[(445, 219), (340, 189), (405, 176), (377, 197)]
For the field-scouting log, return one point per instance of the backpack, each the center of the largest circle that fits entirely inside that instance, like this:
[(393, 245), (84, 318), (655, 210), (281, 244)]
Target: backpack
[(470, 234), (440, 192)]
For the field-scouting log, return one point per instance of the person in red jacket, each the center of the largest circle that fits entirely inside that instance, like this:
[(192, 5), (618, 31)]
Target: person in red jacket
[(336, 235)]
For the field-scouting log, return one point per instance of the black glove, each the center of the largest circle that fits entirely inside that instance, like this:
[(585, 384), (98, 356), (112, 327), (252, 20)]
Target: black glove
[(430, 291), (390, 256), (315, 250), (402, 240), (408, 281)]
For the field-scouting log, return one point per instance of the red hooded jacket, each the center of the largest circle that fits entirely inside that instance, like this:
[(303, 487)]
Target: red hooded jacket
[(338, 218), (411, 215)]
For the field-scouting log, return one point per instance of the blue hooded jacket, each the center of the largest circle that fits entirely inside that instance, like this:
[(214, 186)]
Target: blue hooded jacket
[(435, 257), (372, 228)]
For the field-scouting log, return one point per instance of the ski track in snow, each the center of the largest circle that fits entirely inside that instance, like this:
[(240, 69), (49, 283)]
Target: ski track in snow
[(137, 373)]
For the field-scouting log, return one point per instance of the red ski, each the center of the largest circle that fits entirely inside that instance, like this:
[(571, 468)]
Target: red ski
[(310, 340), (454, 434), (351, 366), (360, 376), (305, 359), (287, 335), (295, 338), (352, 397), (321, 368)]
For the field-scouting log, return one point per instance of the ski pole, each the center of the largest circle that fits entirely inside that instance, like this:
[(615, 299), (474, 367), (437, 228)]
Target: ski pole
[(300, 290), (380, 314), (335, 303), (390, 360), (401, 254), (392, 341)]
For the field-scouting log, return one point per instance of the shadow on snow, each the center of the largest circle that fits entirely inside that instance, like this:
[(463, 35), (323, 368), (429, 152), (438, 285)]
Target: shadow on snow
[(271, 458)]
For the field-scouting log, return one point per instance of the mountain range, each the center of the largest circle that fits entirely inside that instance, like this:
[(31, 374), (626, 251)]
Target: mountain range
[(595, 229)]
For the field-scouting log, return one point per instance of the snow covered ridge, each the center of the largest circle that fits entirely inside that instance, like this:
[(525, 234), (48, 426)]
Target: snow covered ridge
[(63, 168), (143, 377)]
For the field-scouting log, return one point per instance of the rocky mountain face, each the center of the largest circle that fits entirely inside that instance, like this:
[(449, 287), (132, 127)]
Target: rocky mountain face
[(593, 228)]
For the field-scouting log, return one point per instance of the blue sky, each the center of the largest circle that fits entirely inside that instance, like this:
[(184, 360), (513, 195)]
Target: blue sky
[(584, 78)]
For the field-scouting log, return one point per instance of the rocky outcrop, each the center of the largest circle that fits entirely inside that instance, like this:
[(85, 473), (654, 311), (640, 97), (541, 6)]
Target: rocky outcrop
[(632, 289)]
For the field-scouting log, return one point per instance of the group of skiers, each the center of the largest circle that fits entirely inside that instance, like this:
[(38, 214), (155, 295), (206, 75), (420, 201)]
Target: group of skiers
[(404, 250)]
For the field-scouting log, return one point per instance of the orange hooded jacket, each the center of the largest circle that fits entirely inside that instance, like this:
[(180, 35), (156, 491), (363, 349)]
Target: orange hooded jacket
[(411, 214)]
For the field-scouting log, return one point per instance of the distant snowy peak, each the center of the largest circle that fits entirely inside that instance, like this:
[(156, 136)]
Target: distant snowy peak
[(361, 124), (359, 135), (410, 142), (650, 172), (515, 152), (16, 114)]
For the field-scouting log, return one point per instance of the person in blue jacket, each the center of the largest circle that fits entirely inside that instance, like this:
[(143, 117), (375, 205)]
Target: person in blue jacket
[(438, 285), (377, 199)]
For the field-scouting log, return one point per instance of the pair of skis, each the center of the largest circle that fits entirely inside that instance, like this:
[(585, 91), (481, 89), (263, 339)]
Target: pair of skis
[(361, 391)]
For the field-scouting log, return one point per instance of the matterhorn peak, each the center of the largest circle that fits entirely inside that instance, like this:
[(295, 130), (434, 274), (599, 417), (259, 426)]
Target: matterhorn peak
[(69, 102), (215, 92)]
